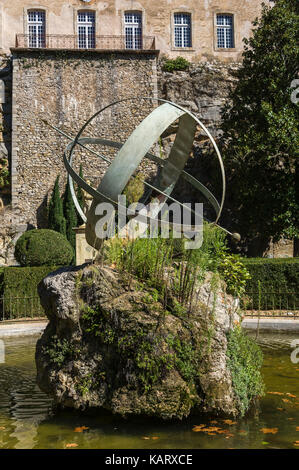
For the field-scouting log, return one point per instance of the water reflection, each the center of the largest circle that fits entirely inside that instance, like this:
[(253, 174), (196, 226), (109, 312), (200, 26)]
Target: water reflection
[(22, 405), (27, 419)]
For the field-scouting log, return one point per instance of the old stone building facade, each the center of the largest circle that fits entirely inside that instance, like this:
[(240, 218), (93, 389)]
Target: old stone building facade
[(60, 61), (198, 29)]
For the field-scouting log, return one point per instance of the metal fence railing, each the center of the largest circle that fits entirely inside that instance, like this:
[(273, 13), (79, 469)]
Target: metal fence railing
[(283, 304), (15, 308), (69, 41)]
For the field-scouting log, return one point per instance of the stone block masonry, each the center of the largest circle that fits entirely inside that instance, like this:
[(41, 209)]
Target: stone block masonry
[(66, 88), (5, 107), (203, 89)]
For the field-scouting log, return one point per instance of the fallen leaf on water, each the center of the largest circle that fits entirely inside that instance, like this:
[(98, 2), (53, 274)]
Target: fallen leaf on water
[(297, 428), (243, 432), (214, 421), (80, 429), (198, 428), (145, 438), (71, 445), (296, 443), (211, 429), (275, 393), (290, 419), (229, 422), (212, 434), (285, 400), (155, 438), (280, 409), (290, 395), (2, 428), (208, 429), (269, 430)]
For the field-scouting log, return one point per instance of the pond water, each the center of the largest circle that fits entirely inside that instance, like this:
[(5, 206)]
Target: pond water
[(27, 419)]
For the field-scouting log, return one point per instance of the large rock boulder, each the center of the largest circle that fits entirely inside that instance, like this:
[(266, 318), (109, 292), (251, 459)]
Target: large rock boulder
[(111, 342)]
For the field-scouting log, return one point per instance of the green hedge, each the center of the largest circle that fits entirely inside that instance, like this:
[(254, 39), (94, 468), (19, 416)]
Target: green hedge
[(18, 288), (279, 282)]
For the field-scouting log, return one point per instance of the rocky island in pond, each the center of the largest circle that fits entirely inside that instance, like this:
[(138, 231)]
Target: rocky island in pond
[(113, 342)]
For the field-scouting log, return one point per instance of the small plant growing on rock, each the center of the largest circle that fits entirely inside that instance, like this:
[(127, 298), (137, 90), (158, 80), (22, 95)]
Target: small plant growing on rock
[(58, 351), (171, 65), (234, 273), (244, 361), (134, 189)]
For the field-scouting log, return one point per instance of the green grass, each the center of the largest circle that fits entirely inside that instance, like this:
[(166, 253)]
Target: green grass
[(149, 259)]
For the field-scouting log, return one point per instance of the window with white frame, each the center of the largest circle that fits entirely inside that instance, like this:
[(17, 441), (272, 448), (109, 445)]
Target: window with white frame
[(86, 30), (133, 30), (182, 30), (225, 31), (36, 20)]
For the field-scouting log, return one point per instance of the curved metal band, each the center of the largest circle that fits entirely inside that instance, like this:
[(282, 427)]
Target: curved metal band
[(159, 161), (160, 100), (73, 176), (134, 149), (131, 154)]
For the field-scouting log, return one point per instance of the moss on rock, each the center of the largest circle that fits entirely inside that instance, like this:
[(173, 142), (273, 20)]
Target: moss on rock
[(244, 361), (129, 354)]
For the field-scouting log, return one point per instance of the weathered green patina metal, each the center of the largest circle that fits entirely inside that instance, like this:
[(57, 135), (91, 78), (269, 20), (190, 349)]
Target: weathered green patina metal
[(131, 153)]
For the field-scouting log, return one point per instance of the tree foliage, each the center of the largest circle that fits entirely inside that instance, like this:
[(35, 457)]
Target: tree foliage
[(70, 215), (4, 173), (56, 219), (80, 196), (261, 135)]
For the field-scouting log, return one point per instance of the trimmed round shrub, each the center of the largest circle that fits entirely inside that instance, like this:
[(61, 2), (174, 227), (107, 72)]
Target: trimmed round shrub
[(42, 247)]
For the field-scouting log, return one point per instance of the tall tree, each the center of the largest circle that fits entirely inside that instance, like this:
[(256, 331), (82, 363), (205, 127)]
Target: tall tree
[(80, 196), (56, 220), (261, 133), (70, 215)]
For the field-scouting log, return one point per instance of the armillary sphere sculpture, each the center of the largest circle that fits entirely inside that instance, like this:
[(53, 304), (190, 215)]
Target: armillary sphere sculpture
[(130, 155)]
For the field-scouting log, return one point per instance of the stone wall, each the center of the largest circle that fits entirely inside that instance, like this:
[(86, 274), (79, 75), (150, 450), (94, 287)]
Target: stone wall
[(282, 249), (5, 109), (202, 89), (7, 219), (66, 90)]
